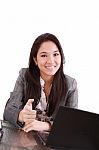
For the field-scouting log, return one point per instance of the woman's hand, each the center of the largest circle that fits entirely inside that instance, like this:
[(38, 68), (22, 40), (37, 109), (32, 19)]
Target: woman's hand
[(37, 126), (27, 115)]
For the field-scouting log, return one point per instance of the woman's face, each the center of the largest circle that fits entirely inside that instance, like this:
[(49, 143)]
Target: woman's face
[(48, 59)]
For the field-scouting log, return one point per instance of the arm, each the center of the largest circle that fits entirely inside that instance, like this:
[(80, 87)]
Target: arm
[(70, 100), (14, 105), (37, 126), (72, 97)]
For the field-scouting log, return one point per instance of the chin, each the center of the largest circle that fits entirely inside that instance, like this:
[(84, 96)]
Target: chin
[(51, 73)]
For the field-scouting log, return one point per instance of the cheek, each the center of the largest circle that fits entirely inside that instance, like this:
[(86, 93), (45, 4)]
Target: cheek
[(59, 60), (41, 62)]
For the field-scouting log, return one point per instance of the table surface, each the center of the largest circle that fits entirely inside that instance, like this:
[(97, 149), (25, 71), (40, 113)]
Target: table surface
[(16, 139)]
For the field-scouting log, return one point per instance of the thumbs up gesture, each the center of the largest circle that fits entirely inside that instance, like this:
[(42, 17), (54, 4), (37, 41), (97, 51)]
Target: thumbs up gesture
[(28, 105), (27, 115)]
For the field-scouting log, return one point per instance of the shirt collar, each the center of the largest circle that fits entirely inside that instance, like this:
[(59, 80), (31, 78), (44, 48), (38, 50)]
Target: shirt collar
[(42, 82)]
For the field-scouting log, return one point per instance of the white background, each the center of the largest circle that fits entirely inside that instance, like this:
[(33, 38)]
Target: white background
[(74, 22)]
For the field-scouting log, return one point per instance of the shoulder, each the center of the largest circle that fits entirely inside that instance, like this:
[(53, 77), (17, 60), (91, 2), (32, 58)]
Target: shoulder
[(23, 70), (22, 73), (70, 81), (69, 78)]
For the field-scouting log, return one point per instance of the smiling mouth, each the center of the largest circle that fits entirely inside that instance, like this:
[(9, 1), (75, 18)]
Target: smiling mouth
[(50, 67)]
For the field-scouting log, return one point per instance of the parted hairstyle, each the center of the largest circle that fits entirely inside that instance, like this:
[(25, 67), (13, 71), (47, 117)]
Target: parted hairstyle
[(33, 87)]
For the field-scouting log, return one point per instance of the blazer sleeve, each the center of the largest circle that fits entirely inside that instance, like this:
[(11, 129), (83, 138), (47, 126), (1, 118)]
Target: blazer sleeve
[(14, 103), (72, 96)]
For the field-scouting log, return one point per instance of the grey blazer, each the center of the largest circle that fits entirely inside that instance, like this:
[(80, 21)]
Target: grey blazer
[(15, 103)]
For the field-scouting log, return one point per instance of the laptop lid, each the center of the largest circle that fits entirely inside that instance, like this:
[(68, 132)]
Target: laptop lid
[(74, 129)]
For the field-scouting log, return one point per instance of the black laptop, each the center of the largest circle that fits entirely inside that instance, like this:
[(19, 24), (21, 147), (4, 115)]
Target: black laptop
[(73, 129)]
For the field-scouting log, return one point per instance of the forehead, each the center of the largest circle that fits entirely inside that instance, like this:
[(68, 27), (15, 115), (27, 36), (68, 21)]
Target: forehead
[(48, 47)]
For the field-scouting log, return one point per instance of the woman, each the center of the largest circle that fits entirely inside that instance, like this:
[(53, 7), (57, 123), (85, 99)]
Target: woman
[(41, 88)]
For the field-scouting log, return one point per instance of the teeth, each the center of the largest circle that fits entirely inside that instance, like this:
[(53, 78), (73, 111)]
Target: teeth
[(49, 66)]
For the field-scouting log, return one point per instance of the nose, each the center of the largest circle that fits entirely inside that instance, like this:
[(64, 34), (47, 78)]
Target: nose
[(50, 59)]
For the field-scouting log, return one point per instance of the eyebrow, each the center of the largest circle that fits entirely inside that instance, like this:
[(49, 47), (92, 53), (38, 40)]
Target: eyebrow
[(46, 52)]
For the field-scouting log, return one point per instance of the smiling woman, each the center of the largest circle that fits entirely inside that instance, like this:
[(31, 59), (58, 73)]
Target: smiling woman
[(48, 59), (41, 88)]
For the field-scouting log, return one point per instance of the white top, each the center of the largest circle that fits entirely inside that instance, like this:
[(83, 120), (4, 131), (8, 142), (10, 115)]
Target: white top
[(42, 103)]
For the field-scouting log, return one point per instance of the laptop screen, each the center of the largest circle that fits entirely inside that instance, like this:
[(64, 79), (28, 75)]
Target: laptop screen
[(74, 128)]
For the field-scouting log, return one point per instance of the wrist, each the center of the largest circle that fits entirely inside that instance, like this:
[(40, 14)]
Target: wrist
[(20, 117), (47, 126), (20, 124)]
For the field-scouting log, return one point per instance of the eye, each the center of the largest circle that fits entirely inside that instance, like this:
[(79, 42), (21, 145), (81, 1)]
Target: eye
[(56, 54), (43, 55)]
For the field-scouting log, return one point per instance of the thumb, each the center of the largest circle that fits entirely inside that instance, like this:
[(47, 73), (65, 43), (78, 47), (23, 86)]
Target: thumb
[(29, 104)]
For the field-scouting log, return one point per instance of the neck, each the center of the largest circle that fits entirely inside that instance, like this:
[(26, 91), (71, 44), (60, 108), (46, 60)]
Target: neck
[(48, 84), (47, 79)]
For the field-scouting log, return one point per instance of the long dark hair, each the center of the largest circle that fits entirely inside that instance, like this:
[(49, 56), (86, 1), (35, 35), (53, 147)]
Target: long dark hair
[(33, 87)]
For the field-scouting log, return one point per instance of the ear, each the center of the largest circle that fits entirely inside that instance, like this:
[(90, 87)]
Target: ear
[(35, 60)]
